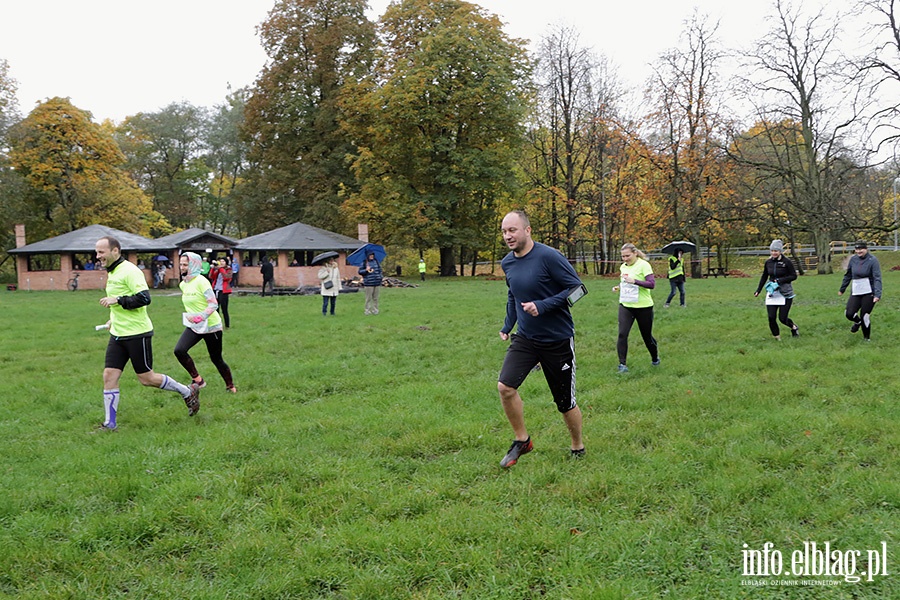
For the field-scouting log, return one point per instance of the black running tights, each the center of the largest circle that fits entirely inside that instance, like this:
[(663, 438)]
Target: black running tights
[(779, 312), (644, 318), (213, 341)]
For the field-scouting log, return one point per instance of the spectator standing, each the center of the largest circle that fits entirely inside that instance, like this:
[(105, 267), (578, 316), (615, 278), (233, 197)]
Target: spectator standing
[(220, 276), (205, 266), (676, 277), (268, 274), (372, 279), (159, 276), (330, 285), (235, 269)]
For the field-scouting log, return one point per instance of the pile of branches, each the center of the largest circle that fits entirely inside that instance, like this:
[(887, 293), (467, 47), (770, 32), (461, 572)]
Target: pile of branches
[(394, 282), (385, 282)]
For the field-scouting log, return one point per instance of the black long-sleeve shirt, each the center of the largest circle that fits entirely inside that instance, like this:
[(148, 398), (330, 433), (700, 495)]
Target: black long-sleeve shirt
[(780, 270), (545, 277)]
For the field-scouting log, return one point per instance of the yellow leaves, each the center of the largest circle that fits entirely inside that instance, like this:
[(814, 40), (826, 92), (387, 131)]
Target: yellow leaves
[(75, 168)]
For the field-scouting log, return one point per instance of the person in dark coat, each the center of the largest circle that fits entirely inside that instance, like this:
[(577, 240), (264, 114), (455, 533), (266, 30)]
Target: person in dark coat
[(372, 279), (780, 272), (268, 274), (864, 278)]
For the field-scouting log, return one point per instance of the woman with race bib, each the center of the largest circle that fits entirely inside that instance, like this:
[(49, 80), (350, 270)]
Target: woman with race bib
[(201, 321), (864, 278), (635, 303), (780, 272)]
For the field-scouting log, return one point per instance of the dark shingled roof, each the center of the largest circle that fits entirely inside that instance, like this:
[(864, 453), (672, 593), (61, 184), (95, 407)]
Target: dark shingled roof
[(299, 236), (83, 240), (177, 240)]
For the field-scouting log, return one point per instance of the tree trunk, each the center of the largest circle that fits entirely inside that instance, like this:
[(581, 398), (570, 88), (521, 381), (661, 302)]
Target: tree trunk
[(696, 261), (823, 251), (448, 267)]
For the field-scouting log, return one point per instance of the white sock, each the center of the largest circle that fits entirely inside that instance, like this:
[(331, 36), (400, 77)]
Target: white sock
[(111, 405), (173, 386)]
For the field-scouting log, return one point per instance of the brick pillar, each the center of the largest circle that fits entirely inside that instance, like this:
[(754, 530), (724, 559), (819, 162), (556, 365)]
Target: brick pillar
[(20, 235)]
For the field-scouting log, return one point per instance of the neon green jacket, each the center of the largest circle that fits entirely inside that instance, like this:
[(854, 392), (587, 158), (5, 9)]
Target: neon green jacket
[(126, 280)]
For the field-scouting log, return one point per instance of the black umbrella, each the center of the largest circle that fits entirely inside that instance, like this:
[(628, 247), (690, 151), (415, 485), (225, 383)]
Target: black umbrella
[(324, 256), (673, 247)]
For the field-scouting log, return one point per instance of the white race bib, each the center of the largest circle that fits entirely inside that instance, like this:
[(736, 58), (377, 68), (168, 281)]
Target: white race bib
[(775, 299), (860, 287), (628, 292), (198, 328)]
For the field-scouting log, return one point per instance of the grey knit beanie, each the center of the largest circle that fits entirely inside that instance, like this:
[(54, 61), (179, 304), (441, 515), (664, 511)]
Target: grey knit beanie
[(777, 245)]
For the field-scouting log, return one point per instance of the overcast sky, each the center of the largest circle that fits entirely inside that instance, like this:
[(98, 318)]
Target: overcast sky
[(116, 58)]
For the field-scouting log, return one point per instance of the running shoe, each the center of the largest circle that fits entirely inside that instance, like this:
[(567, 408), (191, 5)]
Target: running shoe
[(193, 401), (104, 428), (577, 453), (231, 389), (795, 332), (515, 451), (855, 327), (201, 383), (623, 369), (655, 362)]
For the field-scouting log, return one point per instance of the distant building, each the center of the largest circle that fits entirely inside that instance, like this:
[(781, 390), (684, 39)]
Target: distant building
[(51, 263), (296, 242)]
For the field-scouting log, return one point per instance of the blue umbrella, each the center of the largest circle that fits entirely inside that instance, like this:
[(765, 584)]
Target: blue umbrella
[(358, 257)]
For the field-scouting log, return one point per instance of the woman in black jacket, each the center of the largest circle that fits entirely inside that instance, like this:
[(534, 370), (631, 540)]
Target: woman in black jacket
[(780, 272), (864, 276)]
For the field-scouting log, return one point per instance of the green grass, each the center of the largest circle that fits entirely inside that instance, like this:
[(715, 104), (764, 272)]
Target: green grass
[(360, 456)]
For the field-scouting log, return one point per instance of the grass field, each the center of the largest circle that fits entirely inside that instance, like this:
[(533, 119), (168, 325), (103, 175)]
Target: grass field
[(360, 457)]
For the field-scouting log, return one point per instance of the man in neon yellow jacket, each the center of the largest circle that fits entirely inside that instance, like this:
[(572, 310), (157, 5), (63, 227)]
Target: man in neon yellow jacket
[(130, 332)]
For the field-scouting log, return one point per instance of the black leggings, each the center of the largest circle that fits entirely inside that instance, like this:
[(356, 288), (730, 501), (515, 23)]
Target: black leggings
[(858, 310), (644, 318), (189, 339), (222, 299), (779, 311)]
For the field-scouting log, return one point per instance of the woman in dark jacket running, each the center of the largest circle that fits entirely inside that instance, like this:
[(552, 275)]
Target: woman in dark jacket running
[(864, 275), (780, 272)]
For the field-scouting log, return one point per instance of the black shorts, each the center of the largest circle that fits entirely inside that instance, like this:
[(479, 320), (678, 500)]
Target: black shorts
[(557, 361), (138, 350)]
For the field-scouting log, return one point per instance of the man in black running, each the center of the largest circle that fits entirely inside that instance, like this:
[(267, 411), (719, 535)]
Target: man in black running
[(539, 279)]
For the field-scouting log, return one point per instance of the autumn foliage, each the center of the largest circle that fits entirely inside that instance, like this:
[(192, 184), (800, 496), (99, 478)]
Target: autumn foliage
[(73, 168)]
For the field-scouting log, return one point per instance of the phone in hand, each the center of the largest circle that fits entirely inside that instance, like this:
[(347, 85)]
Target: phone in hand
[(576, 294)]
